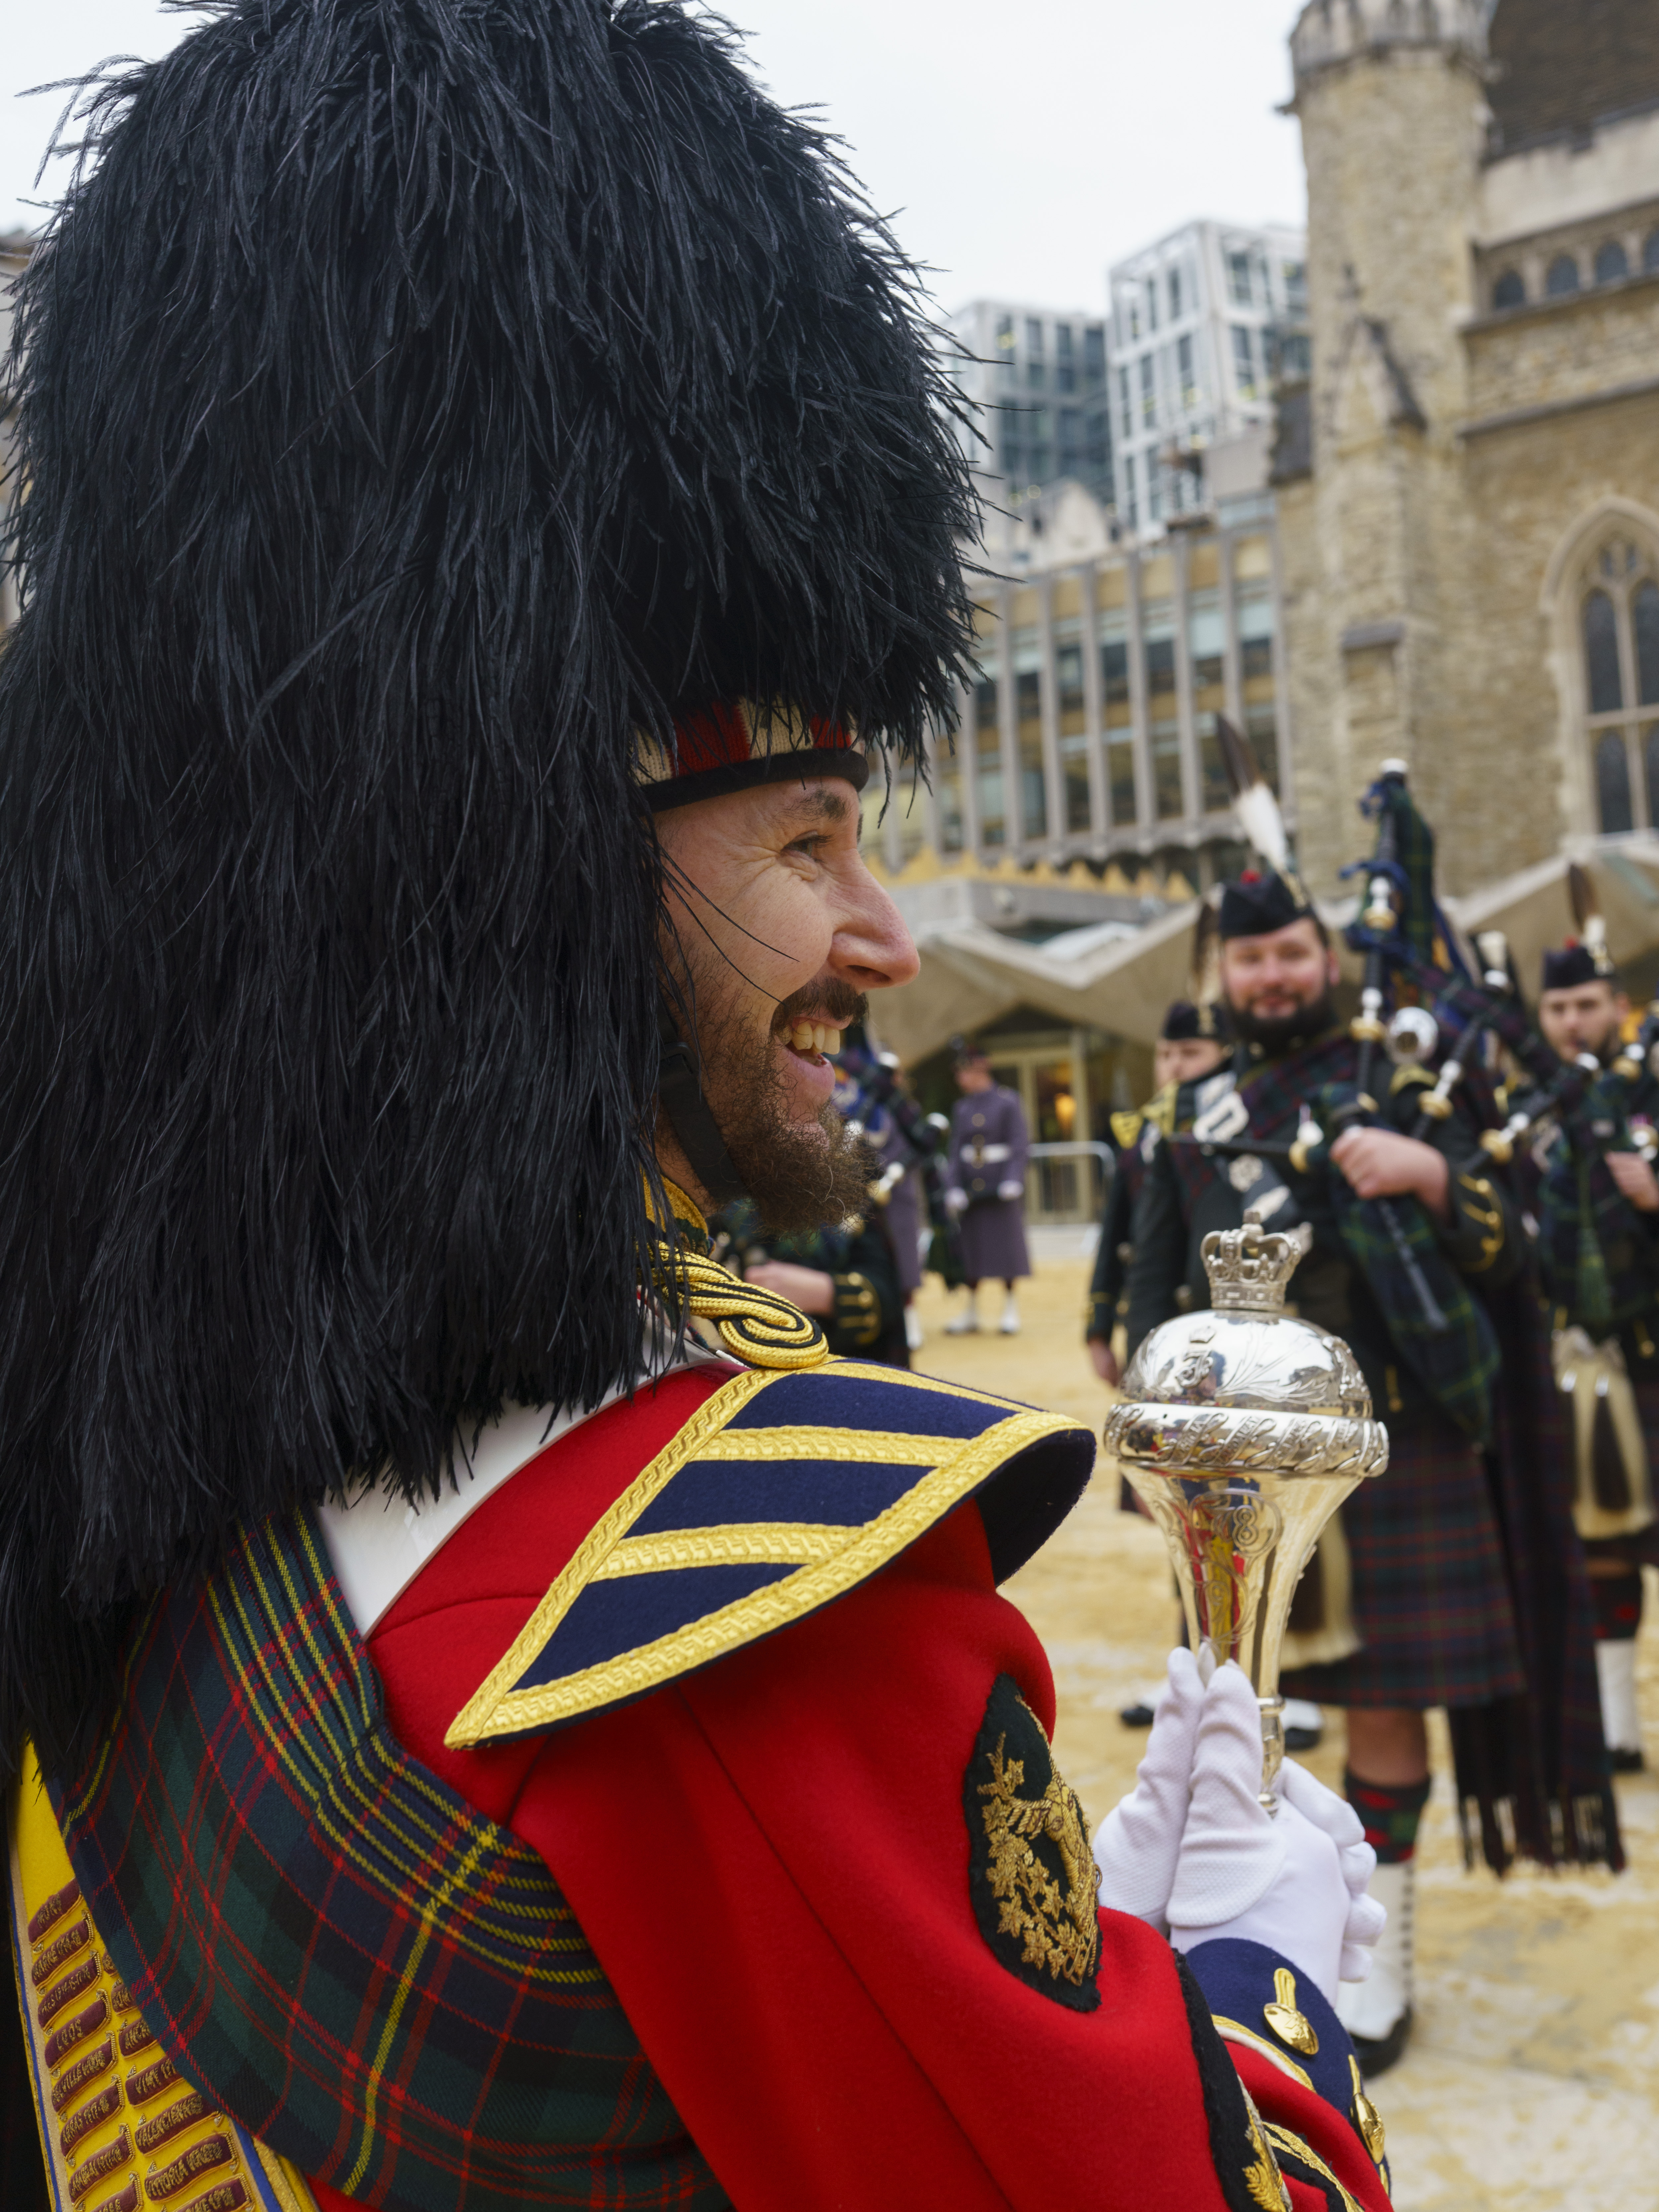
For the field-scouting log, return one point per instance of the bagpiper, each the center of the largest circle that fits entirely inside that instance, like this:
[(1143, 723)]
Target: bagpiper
[(1417, 1260), (492, 506), (1592, 1189), (1193, 1042)]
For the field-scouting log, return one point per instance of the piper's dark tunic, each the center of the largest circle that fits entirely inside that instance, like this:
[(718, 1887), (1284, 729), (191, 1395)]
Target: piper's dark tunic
[(1430, 1597), (1550, 1189)]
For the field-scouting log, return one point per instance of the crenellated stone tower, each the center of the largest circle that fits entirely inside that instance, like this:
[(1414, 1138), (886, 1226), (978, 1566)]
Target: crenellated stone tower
[(1376, 529)]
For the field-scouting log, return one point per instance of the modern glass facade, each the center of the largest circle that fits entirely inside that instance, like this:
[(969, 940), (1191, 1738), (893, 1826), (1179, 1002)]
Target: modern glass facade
[(1088, 731)]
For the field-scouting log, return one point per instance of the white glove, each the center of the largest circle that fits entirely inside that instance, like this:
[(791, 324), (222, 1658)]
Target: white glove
[(1138, 1842), (1011, 1190), (956, 1200), (1296, 1883)]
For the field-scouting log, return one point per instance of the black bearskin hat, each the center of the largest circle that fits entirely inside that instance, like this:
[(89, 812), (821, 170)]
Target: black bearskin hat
[(1256, 905), (422, 402), (1574, 965), (1185, 1023)]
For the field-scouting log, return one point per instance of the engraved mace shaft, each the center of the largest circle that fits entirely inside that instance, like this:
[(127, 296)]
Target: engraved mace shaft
[(1242, 1429)]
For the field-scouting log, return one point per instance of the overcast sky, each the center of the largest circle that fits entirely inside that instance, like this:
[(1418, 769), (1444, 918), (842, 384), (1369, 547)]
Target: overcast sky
[(1020, 148)]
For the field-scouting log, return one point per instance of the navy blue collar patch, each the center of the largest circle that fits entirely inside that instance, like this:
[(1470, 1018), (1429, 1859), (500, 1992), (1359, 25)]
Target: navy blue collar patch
[(780, 1495)]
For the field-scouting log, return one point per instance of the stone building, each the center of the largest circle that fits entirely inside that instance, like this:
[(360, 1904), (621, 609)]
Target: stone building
[(1469, 486)]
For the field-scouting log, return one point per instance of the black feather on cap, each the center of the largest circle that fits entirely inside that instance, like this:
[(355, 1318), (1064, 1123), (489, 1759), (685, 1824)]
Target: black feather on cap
[(423, 403), (1574, 965), (1184, 1022), (1256, 905)]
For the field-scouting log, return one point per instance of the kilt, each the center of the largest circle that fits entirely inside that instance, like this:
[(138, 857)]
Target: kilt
[(1431, 1595), (993, 1240)]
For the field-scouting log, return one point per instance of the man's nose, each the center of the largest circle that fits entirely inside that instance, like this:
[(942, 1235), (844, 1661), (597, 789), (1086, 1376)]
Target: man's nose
[(873, 949)]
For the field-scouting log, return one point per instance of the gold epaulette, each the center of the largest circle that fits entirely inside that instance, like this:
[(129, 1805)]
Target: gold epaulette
[(1160, 1107), (732, 1531)]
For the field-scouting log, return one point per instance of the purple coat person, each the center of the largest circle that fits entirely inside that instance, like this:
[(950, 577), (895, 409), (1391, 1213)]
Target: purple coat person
[(988, 1145)]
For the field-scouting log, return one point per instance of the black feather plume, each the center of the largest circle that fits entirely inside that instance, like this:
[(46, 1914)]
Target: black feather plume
[(419, 398)]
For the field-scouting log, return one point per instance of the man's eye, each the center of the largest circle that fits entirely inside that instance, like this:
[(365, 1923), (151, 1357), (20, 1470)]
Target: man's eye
[(813, 846)]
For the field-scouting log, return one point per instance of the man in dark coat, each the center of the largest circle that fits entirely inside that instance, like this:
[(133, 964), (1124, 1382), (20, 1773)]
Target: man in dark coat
[(1432, 1619), (1192, 1043), (846, 1274), (986, 1187), (1592, 1189)]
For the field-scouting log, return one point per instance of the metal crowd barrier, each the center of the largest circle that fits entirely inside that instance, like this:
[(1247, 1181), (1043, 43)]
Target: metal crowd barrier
[(1070, 1182)]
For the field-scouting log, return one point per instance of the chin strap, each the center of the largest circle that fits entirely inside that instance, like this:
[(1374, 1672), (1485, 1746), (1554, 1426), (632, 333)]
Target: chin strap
[(680, 1091)]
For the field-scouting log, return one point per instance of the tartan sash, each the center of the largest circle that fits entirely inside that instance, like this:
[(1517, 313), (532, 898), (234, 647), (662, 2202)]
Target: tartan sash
[(379, 1983)]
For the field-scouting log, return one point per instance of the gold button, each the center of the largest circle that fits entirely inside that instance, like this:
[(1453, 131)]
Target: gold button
[(1289, 2025)]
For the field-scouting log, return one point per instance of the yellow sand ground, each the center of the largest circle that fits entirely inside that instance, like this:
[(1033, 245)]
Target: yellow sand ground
[(1531, 2083)]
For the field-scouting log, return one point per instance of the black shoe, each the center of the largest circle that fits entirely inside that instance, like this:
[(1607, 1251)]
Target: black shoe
[(1136, 1716), (1625, 1762), (1377, 2055), (1301, 1739)]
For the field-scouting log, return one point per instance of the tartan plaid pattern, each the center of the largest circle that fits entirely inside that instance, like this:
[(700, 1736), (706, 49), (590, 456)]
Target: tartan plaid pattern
[(1419, 928), (1456, 1366), (1532, 1771), (1430, 1596), (1598, 1254), (374, 1979)]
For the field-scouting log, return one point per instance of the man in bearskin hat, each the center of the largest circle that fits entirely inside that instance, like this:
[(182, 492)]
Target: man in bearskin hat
[(1592, 1189), (1193, 1042), (485, 466), (1413, 1238)]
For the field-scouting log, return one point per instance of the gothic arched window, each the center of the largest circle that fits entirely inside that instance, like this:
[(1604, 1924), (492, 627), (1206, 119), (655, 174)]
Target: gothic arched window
[(1612, 783), (1650, 250), (1619, 636), (1562, 276), (1611, 263), (1510, 290)]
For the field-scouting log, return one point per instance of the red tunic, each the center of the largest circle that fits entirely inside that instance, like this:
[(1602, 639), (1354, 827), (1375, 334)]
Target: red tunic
[(771, 1859)]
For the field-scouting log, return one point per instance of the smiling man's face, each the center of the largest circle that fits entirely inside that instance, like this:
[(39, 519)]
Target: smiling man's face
[(782, 930)]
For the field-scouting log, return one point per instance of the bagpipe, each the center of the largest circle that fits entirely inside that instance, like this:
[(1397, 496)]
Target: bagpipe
[(1411, 956), (917, 1143)]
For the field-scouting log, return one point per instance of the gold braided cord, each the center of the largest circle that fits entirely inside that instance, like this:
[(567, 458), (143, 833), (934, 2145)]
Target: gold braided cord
[(759, 1326), (736, 1544)]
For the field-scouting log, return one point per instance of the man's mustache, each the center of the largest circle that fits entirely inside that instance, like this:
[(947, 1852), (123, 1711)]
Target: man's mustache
[(831, 999)]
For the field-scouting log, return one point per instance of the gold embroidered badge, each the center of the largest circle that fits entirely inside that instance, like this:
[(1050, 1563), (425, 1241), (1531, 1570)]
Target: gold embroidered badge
[(1033, 1872)]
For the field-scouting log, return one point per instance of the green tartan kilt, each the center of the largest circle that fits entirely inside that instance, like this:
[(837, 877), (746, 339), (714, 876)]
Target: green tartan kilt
[(1431, 1594)]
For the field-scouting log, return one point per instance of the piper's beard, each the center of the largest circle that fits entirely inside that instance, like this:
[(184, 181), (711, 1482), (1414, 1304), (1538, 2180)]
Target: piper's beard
[(1277, 1033), (800, 1174)]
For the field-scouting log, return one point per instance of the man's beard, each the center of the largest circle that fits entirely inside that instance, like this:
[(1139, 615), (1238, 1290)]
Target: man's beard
[(1274, 1034), (800, 1174)]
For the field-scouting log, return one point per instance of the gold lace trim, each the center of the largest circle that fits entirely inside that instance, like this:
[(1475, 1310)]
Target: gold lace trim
[(840, 1558)]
